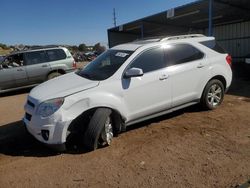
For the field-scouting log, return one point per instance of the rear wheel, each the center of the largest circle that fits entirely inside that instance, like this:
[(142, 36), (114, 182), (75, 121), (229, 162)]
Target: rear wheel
[(213, 95), (53, 75), (100, 129)]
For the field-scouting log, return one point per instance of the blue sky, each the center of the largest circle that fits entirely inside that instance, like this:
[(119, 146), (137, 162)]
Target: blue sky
[(35, 22)]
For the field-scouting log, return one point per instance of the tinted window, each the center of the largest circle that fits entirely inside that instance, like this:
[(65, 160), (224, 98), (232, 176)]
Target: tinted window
[(150, 60), (56, 54), (35, 57), (182, 53), (105, 65), (214, 46)]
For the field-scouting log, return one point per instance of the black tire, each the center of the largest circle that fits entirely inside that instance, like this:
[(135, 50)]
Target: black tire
[(95, 128), (209, 100), (53, 75)]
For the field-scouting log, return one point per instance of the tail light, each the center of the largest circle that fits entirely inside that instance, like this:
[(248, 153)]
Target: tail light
[(74, 64), (229, 60)]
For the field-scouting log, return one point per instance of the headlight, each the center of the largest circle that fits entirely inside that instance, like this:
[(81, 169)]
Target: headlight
[(49, 107)]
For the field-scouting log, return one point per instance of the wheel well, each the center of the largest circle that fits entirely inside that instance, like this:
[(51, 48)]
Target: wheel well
[(222, 79), (218, 77), (61, 71), (80, 123)]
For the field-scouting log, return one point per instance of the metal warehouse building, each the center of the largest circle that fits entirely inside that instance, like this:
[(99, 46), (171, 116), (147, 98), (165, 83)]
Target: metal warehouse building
[(230, 25)]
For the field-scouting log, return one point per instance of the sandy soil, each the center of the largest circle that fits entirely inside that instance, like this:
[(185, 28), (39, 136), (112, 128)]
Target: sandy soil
[(188, 148)]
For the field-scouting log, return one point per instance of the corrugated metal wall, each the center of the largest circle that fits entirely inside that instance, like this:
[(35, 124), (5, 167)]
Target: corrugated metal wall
[(116, 38), (235, 38)]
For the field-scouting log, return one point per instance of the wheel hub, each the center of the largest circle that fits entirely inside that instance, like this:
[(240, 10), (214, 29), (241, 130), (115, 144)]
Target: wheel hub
[(107, 133)]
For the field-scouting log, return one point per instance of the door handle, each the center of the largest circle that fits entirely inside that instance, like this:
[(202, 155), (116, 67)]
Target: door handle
[(164, 77), (20, 70), (44, 65)]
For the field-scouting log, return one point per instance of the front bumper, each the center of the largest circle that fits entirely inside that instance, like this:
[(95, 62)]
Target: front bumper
[(57, 147), (56, 133), (50, 130)]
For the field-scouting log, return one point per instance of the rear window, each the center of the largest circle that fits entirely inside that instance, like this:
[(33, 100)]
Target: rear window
[(214, 46), (56, 54)]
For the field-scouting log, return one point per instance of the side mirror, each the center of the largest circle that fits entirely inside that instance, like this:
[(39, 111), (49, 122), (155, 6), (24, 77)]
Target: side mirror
[(133, 72)]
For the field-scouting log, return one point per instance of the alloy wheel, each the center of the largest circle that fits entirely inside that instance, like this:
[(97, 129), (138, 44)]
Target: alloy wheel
[(214, 95)]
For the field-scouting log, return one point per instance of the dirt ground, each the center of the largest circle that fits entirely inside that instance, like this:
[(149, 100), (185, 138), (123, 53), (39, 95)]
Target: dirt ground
[(188, 148)]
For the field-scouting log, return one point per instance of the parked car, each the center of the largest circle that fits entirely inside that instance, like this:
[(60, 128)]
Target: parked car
[(127, 84), (90, 56), (80, 57), (31, 67), (1, 58)]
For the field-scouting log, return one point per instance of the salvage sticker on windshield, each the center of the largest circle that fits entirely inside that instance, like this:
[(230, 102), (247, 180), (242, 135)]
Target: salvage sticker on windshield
[(121, 54)]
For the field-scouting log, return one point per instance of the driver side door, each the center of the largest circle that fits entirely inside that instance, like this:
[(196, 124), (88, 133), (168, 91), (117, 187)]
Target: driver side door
[(7, 79), (11, 76), (150, 93)]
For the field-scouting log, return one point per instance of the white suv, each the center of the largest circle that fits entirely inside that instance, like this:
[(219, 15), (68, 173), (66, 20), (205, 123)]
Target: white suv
[(127, 84)]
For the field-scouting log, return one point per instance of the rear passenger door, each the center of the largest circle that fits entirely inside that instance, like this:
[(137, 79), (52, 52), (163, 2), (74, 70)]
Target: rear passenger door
[(188, 71), (37, 66)]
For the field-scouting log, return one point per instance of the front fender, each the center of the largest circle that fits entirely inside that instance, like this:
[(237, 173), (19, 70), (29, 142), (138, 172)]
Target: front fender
[(75, 105), (108, 100)]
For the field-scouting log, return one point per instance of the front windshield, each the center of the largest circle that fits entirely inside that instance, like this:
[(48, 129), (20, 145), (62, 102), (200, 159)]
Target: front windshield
[(105, 65)]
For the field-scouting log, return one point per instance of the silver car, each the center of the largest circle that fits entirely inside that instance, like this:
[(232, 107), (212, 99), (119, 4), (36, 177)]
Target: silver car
[(29, 68)]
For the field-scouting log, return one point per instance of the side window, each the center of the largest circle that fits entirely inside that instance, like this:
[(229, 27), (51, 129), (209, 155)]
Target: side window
[(14, 60), (56, 54), (150, 60), (182, 53), (35, 57)]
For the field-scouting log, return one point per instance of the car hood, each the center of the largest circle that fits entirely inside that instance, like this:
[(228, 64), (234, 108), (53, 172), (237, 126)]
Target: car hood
[(62, 86)]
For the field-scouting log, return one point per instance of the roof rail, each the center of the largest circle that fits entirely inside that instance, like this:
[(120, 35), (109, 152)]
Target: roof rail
[(42, 47), (149, 39), (30, 48), (182, 37)]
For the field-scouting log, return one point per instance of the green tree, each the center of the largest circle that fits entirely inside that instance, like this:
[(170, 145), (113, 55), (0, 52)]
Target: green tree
[(4, 46), (82, 47), (74, 48), (98, 48)]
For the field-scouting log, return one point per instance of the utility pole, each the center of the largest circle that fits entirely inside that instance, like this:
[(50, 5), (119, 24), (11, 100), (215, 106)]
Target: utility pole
[(114, 17), (210, 18)]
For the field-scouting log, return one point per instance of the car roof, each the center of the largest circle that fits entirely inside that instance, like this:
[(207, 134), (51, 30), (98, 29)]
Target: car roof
[(132, 46), (36, 49), (127, 46)]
